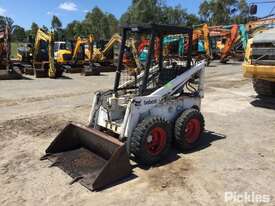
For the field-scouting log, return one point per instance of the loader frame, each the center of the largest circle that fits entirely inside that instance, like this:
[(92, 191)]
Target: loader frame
[(99, 155), (142, 103)]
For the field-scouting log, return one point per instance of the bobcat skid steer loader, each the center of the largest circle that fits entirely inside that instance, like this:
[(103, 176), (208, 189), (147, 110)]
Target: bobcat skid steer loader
[(141, 116)]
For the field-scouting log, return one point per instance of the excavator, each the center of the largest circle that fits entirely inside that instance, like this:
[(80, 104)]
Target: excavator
[(201, 39), (228, 40), (218, 38), (104, 58), (7, 69), (226, 50), (25, 53), (78, 57), (259, 62), (44, 64)]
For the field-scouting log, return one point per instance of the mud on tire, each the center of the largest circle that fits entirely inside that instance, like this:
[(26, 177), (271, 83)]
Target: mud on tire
[(150, 141)]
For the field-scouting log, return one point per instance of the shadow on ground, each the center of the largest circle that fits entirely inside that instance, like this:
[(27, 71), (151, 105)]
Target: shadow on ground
[(65, 77), (206, 141), (264, 102)]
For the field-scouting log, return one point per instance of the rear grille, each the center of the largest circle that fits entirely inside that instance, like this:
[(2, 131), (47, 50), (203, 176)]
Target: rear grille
[(263, 54)]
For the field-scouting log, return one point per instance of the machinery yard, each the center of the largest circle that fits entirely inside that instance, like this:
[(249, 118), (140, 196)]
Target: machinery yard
[(237, 152)]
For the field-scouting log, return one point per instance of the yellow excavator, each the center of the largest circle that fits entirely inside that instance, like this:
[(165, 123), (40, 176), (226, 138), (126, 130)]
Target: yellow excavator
[(73, 53), (44, 64), (62, 52), (259, 63), (76, 56), (105, 58)]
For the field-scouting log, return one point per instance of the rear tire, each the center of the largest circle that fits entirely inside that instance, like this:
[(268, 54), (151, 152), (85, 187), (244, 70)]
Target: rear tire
[(188, 129), (263, 87), (150, 141)]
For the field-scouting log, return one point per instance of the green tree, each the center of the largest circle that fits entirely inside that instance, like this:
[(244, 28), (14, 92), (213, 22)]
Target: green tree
[(101, 25), (94, 22), (18, 33), (6, 20), (156, 11), (74, 29), (34, 28), (113, 23), (45, 28), (243, 14), (143, 11), (56, 23), (220, 12)]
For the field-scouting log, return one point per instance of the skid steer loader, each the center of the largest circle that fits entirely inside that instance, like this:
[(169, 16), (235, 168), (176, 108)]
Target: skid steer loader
[(140, 117)]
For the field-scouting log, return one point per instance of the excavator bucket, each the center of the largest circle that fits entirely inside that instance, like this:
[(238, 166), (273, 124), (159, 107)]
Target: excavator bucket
[(89, 156)]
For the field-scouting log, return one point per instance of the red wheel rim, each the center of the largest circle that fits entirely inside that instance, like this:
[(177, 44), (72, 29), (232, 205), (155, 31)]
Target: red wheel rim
[(156, 141), (192, 130)]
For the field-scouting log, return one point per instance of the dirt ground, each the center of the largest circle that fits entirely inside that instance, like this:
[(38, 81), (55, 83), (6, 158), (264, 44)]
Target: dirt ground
[(237, 154)]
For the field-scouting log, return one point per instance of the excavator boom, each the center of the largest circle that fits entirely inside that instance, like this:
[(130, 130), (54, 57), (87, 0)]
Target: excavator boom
[(45, 66), (234, 33)]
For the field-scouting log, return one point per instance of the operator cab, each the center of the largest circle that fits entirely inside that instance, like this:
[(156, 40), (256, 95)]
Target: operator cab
[(62, 46), (164, 60)]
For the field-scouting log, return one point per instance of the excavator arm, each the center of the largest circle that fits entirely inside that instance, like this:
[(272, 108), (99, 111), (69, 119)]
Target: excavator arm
[(234, 33), (207, 41), (99, 55), (203, 31), (79, 43), (49, 38), (116, 38), (253, 25)]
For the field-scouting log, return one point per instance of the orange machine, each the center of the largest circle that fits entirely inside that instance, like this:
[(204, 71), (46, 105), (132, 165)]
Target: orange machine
[(225, 52), (202, 32)]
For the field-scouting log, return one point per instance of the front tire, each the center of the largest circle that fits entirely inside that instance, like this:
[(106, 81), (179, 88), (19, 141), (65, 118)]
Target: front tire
[(188, 129), (150, 141)]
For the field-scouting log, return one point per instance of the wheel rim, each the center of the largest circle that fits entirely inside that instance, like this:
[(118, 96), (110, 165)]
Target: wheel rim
[(192, 130), (156, 141)]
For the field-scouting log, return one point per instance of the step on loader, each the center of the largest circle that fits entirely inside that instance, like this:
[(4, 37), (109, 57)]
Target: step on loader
[(147, 110)]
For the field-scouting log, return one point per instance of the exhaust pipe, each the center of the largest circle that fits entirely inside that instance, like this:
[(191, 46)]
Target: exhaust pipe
[(89, 156)]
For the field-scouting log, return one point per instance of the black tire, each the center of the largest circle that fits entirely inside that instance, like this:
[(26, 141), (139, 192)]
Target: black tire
[(182, 135), (59, 73), (142, 150), (263, 87)]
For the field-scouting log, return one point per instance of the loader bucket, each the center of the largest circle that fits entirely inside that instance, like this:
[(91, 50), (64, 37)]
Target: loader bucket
[(89, 156)]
